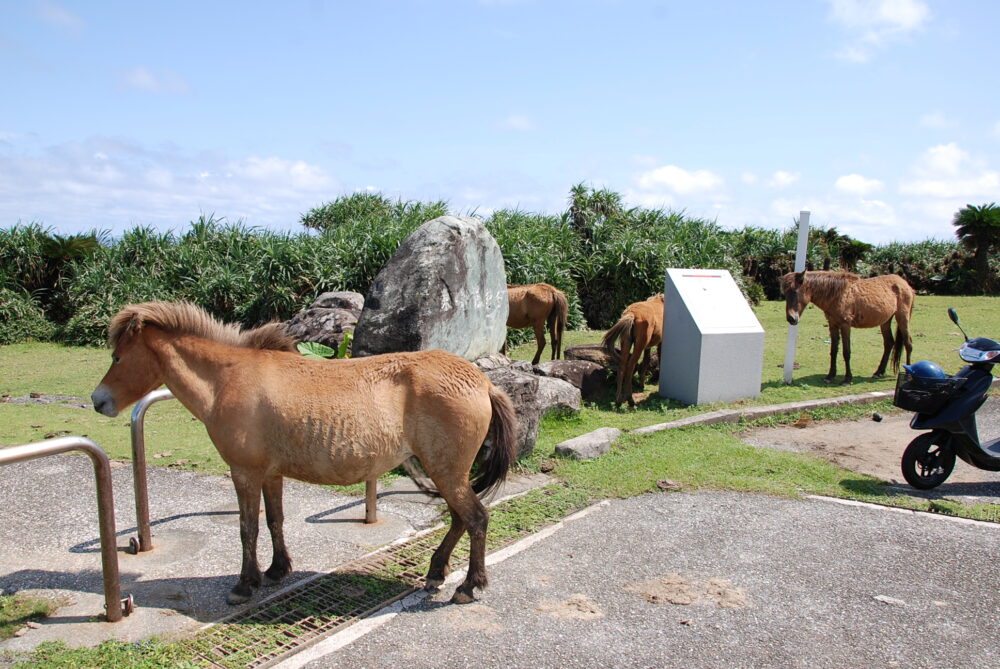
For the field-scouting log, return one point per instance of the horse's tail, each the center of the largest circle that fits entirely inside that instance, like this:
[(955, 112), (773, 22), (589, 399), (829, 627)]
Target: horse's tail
[(502, 441), (557, 321), (620, 330)]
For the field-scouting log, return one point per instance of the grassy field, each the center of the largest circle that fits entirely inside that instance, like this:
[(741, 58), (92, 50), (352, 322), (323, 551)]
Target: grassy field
[(58, 370)]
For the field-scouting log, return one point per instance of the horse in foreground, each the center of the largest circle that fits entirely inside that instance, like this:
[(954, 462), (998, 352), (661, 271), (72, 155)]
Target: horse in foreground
[(535, 306), (272, 413), (640, 328), (848, 301)]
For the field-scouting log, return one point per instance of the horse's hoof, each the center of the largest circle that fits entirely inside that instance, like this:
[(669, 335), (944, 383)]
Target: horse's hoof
[(433, 584), (238, 596), (845, 382), (462, 598), (827, 380), (266, 579)]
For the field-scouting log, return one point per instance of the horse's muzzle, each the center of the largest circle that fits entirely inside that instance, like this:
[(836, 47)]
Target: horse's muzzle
[(792, 320), (103, 402)]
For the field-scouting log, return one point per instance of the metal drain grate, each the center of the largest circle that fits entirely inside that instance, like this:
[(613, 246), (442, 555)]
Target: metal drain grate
[(300, 617)]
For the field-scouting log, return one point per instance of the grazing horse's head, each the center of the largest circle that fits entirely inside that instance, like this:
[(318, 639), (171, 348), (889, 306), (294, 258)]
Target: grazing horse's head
[(135, 370), (796, 295)]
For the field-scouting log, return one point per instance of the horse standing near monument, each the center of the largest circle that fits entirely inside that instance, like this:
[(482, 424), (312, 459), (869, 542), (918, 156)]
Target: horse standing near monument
[(272, 413), (640, 328), (535, 306), (848, 301)]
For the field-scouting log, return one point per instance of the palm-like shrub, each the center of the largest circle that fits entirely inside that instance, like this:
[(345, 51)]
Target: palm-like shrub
[(978, 229)]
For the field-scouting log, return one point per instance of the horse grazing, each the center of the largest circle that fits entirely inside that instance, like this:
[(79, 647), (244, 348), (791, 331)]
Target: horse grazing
[(640, 328), (272, 413), (534, 306), (848, 301)]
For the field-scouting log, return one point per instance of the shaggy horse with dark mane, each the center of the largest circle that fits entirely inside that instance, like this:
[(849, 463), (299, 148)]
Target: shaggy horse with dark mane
[(848, 301), (272, 413)]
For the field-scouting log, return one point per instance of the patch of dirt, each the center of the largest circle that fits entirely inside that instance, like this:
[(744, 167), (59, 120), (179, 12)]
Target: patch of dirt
[(473, 618), (863, 446), (678, 590), (40, 398), (577, 607)]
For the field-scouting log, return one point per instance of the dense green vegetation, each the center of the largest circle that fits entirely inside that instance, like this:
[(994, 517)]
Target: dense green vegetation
[(603, 255)]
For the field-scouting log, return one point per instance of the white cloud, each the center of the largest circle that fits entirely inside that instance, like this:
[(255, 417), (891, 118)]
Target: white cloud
[(748, 178), (783, 179), (163, 82), (855, 184), (678, 180), (936, 120), (116, 185), (948, 171), (996, 130), (873, 24), (519, 122)]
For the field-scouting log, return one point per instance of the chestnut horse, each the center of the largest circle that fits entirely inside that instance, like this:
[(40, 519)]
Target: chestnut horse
[(848, 301), (534, 306), (273, 413), (640, 329)]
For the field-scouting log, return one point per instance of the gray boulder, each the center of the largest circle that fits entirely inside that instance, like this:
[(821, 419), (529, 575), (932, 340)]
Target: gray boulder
[(557, 394), (326, 321), (523, 391), (445, 288), (591, 378)]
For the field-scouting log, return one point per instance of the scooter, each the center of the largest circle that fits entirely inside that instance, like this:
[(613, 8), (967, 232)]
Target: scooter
[(947, 406)]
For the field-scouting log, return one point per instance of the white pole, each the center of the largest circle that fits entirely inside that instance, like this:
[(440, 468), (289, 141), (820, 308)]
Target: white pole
[(800, 264)]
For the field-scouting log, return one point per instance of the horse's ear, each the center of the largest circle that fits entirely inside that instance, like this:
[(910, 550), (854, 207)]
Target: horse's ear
[(800, 278)]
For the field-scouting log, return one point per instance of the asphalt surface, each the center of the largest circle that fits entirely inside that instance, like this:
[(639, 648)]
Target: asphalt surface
[(777, 583), (700, 579)]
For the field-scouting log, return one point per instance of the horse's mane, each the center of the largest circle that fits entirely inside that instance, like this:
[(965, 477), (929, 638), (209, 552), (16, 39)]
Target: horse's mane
[(822, 284), (186, 318)]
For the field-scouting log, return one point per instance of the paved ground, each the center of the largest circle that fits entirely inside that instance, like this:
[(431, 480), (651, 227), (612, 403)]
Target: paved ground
[(771, 583), (677, 579)]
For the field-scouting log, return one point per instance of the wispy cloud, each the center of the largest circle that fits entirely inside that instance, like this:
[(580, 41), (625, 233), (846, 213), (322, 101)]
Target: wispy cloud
[(679, 180), (871, 25), (163, 82), (948, 171), (519, 122), (783, 179), (119, 184), (60, 17), (936, 120)]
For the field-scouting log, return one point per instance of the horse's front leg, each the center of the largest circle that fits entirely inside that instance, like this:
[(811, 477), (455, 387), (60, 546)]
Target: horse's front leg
[(834, 347), (281, 563), (846, 334), (248, 497)]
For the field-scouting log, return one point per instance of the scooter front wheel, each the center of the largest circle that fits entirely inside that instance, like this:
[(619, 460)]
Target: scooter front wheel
[(928, 461)]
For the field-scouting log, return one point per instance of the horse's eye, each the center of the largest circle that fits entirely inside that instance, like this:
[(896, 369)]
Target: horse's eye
[(116, 358)]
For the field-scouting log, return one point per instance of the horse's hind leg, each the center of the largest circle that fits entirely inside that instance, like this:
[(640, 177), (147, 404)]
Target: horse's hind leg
[(886, 347), (439, 567), (846, 335), (477, 519), (281, 564), (248, 488), (540, 340)]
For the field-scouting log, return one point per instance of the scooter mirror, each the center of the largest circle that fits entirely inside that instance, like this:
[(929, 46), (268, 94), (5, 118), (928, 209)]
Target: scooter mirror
[(953, 315)]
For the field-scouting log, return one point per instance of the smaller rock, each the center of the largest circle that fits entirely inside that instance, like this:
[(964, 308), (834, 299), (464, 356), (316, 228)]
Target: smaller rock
[(589, 446), (668, 485)]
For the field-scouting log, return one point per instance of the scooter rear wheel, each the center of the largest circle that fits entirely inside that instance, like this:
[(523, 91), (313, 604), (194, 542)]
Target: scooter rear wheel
[(928, 461)]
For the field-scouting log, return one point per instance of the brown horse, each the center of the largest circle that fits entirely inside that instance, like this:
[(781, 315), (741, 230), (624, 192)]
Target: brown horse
[(272, 413), (534, 306), (848, 301), (640, 329)]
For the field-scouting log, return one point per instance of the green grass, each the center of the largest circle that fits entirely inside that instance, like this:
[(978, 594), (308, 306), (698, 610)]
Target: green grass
[(17, 610)]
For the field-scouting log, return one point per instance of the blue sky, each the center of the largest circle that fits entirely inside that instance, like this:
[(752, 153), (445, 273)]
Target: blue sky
[(882, 117)]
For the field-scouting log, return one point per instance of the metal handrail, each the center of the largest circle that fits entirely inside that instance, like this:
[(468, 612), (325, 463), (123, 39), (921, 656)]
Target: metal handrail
[(144, 542), (115, 606)]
